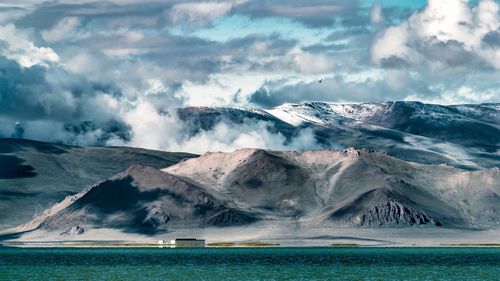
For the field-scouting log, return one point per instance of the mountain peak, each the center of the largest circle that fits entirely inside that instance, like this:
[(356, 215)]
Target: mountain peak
[(465, 136)]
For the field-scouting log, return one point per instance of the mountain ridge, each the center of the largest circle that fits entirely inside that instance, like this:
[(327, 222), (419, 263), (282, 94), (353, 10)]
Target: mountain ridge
[(36, 175), (328, 188), (465, 136)]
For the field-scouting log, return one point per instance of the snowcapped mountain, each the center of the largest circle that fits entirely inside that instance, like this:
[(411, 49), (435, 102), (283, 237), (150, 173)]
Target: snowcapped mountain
[(403, 164), (381, 113), (466, 136)]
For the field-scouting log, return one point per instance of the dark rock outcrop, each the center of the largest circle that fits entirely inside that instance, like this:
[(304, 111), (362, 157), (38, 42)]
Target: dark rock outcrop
[(74, 230), (383, 207), (230, 218)]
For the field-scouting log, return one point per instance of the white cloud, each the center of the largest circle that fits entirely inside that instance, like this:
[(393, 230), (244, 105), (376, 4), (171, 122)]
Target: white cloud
[(392, 43), (61, 29), (146, 68), (462, 95), (149, 128), (201, 13), (219, 89), (19, 48), (233, 88), (308, 63), (441, 22), (228, 137), (164, 131)]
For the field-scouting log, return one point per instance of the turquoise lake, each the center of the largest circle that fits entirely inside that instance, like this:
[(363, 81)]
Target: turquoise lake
[(356, 263)]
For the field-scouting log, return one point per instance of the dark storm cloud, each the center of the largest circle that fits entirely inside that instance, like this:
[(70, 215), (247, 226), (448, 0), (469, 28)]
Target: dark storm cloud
[(29, 92), (57, 97), (451, 53), (394, 62), (326, 48), (492, 39)]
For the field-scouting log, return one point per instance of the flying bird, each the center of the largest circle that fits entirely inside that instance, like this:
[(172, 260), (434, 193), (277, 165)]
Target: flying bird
[(320, 80)]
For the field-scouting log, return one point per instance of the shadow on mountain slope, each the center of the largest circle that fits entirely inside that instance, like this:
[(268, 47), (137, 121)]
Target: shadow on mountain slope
[(14, 167), (145, 200)]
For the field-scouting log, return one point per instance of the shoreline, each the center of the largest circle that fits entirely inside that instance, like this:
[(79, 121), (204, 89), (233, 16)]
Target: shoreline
[(265, 236), (257, 244)]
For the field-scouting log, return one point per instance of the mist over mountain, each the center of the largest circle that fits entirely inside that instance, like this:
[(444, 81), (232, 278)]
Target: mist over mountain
[(466, 136), (247, 117), (390, 165)]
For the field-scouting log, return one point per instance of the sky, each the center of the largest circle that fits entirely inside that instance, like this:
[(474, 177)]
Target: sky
[(90, 72)]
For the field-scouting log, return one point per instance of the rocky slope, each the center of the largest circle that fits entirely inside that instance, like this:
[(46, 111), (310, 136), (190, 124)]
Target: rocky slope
[(142, 200), (36, 175), (356, 188)]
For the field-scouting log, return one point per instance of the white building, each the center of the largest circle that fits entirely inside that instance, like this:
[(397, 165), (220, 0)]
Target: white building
[(161, 242)]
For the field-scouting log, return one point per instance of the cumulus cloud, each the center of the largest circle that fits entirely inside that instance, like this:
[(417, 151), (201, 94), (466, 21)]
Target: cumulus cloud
[(310, 63), (255, 134), (449, 27), (15, 45), (163, 130), (112, 72)]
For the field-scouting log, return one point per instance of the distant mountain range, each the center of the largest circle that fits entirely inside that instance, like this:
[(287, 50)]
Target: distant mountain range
[(353, 188), (412, 165), (465, 136)]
